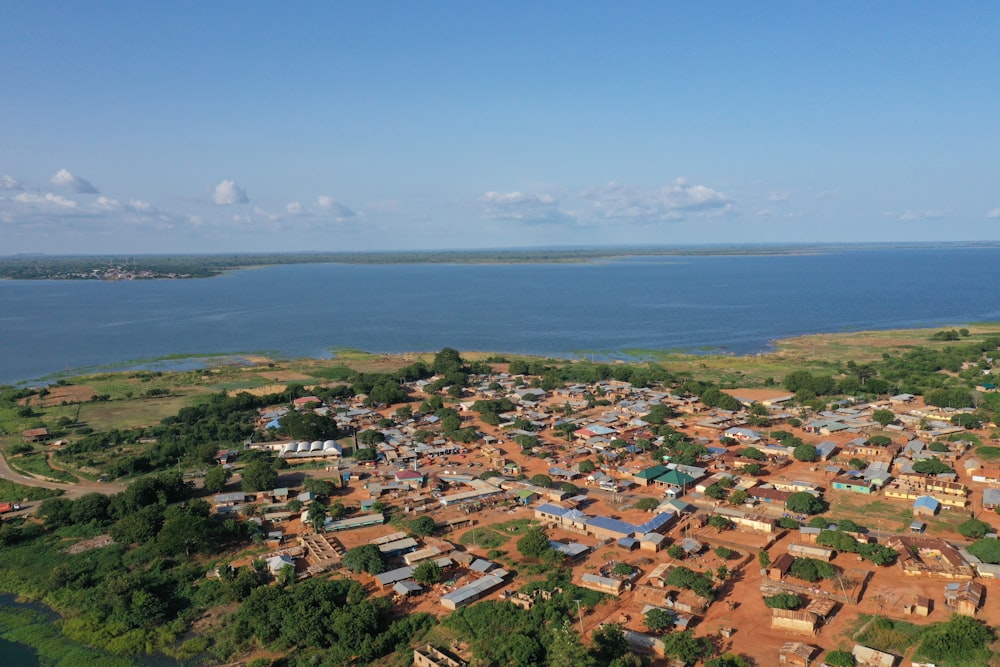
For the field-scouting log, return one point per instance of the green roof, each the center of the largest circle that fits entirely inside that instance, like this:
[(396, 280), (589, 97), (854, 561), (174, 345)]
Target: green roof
[(675, 478), (652, 473)]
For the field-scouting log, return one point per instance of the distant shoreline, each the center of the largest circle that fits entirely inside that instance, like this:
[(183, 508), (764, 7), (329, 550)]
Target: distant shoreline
[(192, 266)]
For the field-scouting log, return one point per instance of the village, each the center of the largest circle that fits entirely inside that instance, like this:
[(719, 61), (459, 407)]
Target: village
[(740, 514)]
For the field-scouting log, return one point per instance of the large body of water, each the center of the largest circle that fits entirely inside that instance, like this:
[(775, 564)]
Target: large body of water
[(732, 303)]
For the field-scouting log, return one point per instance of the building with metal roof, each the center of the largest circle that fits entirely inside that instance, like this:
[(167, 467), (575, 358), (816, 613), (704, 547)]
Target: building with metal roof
[(470, 593)]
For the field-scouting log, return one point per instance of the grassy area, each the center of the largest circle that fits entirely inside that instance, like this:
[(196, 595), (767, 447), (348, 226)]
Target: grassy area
[(9, 491), (126, 414), (988, 453), (886, 515), (515, 527), (889, 635), (25, 625), (483, 537), (37, 464)]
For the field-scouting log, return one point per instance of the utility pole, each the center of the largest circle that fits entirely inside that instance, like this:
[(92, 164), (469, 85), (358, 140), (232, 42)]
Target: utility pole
[(579, 613)]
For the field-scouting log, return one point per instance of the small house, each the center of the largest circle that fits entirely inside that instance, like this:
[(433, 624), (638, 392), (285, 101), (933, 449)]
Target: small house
[(926, 506), (797, 654)]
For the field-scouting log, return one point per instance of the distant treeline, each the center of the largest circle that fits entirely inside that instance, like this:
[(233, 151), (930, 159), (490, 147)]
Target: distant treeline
[(37, 267)]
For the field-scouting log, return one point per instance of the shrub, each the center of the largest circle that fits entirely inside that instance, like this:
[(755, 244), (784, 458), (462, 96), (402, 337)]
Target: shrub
[(783, 601), (974, 529)]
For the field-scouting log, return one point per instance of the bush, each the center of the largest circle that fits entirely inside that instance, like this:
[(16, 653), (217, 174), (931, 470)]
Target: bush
[(986, 550), (974, 529), (724, 553), (839, 659), (783, 601), (647, 504), (962, 640)]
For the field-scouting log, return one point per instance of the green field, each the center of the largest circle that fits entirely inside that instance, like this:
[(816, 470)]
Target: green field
[(37, 465)]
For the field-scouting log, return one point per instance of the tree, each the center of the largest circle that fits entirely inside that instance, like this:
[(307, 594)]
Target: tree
[(838, 540), (586, 467), (931, 467), (752, 453), (974, 528), (317, 516), (728, 660), (371, 437), (657, 619), (217, 478), (878, 553), (884, 417), (966, 421), (724, 553), (365, 454), (448, 360), (320, 487), (543, 481), (675, 552), (623, 569), (857, 464), (811, 570), (986, 550), (764, 558), (428, 573), (534, 543), (422, 526), (803, 502), (647, 504), (839, 659), (566, 650), (686, 647), (783, 601), (738, 497), (805, 452), (720, 523), (962, 639), (259, 476), (366, 558), (608, 643), (753, 468), (716, 492)]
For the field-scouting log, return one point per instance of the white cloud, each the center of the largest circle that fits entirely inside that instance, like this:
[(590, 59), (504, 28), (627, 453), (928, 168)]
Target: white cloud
[(328, 205), (228, 193), (914, 216), (827, 194), (672, 202), (49, 199), (765, 213), (141, 206), (524, 207), (10, 183), (779, 196), (64, 179), (994, 214), (295, 208), (108, 204)]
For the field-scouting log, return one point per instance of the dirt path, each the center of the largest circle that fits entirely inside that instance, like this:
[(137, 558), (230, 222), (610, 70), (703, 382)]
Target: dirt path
[(70, 490)]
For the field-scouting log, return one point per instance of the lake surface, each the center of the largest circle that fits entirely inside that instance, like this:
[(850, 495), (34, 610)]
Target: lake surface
[(737, 304)]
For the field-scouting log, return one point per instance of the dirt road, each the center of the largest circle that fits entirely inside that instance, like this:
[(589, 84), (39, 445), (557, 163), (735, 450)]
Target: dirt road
[(69, 490)]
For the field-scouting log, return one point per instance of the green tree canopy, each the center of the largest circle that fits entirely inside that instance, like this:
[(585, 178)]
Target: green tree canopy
[(803, 502), (428, 572), (366, 558), (258, 476), (534, 543)]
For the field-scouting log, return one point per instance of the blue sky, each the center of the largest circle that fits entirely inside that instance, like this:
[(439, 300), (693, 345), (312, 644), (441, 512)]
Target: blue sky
[(251, 126)]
